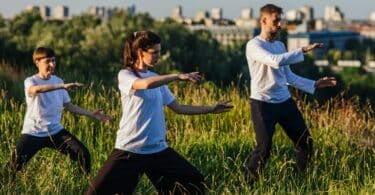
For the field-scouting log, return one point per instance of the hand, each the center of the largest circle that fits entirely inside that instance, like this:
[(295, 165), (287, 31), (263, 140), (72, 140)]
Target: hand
[(222, 107), (311, 47), (325, 82), (193, 77), (72, 85), (99, 115)]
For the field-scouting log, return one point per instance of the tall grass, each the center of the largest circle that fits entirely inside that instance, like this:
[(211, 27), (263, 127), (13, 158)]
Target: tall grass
[(218, 145)]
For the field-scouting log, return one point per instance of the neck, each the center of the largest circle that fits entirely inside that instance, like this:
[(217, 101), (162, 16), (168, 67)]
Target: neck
[(268, 36), (44, 76), (140, 67)]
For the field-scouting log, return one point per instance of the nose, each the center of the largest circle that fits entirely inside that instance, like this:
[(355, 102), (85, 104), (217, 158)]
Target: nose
[(52, 64)]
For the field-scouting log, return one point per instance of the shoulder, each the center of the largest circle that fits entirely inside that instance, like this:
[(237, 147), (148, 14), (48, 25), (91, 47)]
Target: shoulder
[(255, 42), (280, 43), (150, 73), (31, 79), (124, 73), (56, 79)]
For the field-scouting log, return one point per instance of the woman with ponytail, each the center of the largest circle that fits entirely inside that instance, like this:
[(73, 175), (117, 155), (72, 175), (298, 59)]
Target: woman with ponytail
[(141, 145)]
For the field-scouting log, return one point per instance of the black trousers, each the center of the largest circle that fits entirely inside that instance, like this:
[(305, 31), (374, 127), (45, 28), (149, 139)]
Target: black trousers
[(63, 142), (265, 116), (169, 172)]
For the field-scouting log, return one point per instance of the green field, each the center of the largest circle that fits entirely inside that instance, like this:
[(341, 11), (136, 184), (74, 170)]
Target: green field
[(218, 145)]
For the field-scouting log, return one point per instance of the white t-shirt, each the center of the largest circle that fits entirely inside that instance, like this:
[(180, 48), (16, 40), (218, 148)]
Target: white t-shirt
[(43, 113), (142, 126), (270, 72)]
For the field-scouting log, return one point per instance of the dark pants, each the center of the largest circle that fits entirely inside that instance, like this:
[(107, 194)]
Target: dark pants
[(265, 116), (63, 142), (169, 172)]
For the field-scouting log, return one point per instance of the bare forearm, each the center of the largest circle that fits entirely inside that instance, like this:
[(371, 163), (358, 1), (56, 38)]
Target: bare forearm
[(78, 110), (192, 110), (33, 90), (154, 82)]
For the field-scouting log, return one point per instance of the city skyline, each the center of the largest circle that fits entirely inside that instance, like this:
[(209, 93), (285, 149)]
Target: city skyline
[(231, 9)]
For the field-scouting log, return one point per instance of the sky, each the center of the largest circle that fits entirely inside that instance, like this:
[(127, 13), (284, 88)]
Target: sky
[(358, 9)]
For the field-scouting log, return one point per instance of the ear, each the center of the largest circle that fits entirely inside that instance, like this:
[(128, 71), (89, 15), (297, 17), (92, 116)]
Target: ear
[(263, 20), (139, 52)]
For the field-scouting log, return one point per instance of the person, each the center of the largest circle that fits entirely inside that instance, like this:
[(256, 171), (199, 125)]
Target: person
[(46, 95), (270, 99), (141, 145)]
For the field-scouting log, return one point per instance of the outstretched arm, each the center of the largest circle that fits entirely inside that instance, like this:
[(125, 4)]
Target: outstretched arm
[(97, 114), (261, 54), (35, 89), (192, 110), (157, 81)]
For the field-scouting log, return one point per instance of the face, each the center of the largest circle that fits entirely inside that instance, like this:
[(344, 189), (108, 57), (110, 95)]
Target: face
[(151, 56), (271, 23), (46, 66)]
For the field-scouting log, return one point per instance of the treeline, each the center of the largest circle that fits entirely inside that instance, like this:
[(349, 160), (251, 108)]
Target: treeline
[(90, 49)]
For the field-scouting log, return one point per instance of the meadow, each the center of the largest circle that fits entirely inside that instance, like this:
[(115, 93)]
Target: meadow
[(218, 145)]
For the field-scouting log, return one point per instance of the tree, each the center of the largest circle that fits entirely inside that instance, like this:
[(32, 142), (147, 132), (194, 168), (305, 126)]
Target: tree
[(22, 23)]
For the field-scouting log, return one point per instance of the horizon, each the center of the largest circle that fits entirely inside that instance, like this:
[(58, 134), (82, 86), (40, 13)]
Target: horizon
[(231, 9)]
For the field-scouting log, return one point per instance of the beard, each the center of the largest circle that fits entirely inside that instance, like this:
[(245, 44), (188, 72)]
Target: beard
[(274, 34)]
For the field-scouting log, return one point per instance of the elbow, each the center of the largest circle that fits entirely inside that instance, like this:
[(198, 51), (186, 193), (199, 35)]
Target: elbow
[(275, 64)]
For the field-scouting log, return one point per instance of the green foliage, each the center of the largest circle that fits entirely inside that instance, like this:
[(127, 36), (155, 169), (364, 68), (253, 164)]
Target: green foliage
[(2, 21)]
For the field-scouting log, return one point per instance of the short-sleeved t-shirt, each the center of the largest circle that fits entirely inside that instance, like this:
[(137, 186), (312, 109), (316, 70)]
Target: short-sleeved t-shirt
[(43, 113), (142, 126)]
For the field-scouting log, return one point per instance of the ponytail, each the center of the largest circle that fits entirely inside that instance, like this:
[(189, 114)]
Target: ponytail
[(134, 41)]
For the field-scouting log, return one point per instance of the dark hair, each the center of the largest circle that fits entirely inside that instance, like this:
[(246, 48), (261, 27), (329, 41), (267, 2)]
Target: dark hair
[(138, 40), (270, 9), (42, 52)]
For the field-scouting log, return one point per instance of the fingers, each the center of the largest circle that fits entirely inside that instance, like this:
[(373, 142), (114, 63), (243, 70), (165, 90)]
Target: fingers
[(317, 45), (78, 84), (225, 102), (193, 77), (73, 85), (98, 114), (326, 82)]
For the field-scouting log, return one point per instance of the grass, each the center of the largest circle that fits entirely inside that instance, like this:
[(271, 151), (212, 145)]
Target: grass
[(218, 145)]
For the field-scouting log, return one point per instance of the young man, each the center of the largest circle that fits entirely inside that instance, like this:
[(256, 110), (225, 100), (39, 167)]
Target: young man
[(271, 101), (46, 95)]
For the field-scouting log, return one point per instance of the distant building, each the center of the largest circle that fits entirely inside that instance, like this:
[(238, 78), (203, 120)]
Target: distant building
[(335, 40), (247, 13), (372, 16), (105, 12), (32, 7), (61, 12), (246, 20), (228, 35), (294, 14), (333, 13), (44, 11), (368, 32), (304, 13), (308, 12), (201, 16), (217, 13), (177, 12), (349, 63)]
